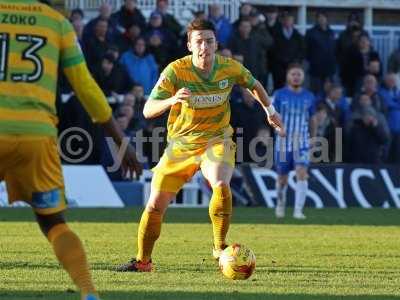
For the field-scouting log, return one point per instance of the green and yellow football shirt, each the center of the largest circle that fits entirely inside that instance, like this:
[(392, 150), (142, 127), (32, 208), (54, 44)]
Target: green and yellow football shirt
[(34, 39), (206, 116)]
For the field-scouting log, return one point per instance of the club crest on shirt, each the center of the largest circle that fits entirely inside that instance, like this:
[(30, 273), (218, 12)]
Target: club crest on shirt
[(223, 84)]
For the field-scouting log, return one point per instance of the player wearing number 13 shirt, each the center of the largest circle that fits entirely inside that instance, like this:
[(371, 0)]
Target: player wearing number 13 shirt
[(34, 40)]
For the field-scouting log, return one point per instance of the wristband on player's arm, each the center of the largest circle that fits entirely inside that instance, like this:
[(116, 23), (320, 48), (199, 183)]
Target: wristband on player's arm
[(270, 110)]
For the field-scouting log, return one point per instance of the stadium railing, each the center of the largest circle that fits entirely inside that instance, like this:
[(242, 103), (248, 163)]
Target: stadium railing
[(181, 9)]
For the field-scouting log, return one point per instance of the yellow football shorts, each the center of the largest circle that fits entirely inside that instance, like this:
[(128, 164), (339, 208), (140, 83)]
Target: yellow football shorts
[(31, 168), (177, 165)]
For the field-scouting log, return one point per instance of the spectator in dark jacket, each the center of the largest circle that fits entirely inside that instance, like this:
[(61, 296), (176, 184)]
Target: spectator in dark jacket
[(126, 41), (374, 68), (369, 133), (169, 20), (163, 42), (249, 45), (370, 88), (393, 64), (159, 50), (391, 95), (289, 47), (111, 78), (273, 25), (128, 14), (140, 101), (272, 19), (76, 14), (337, 106), (105, 11), (320, 42), (348, 36), (96, 47), (356, 64), (248, 116), (324, 128), (265, 41), (78, 26)]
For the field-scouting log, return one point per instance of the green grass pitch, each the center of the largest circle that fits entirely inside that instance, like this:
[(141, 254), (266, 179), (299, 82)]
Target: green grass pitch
[(334, 254)]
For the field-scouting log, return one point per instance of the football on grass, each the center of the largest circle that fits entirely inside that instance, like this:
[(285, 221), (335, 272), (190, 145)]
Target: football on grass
[(237, 262)]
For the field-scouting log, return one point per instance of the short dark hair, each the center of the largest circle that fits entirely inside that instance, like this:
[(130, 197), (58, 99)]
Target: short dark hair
[(199, 25), (335, 86), (321, 12), (286, 14), (271, 9), (47, 2), (77, 11), (245, 19), (294, 65), (109, 57), (321, 106)]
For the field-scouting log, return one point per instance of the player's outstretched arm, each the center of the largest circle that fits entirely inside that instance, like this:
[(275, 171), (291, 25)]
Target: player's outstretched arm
[(154, 108), (95, 103), (274, 119)]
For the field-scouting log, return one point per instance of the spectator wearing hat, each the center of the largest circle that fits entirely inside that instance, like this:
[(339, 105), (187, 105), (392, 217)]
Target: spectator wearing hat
[(320, 52), (222, 25), (289, 47), (128, 14), (169, 20), (140, 65)]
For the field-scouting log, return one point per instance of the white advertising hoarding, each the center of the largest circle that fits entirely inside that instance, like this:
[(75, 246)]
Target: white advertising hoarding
[(85, 186)]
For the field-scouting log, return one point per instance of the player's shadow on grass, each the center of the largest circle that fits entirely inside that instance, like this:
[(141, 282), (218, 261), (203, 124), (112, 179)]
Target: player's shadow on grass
[(241, 215), (177, 295)]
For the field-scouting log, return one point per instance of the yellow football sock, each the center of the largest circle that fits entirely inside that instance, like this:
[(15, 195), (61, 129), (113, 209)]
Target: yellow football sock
[(220, 211), (148, 233), (70, 253)]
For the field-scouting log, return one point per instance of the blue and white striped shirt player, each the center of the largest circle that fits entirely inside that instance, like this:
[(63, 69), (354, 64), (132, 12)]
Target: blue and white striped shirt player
[(296, 109)]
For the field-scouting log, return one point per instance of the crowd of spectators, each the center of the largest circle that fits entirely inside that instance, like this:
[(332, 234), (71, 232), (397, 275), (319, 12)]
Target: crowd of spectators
[(126, 53)]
